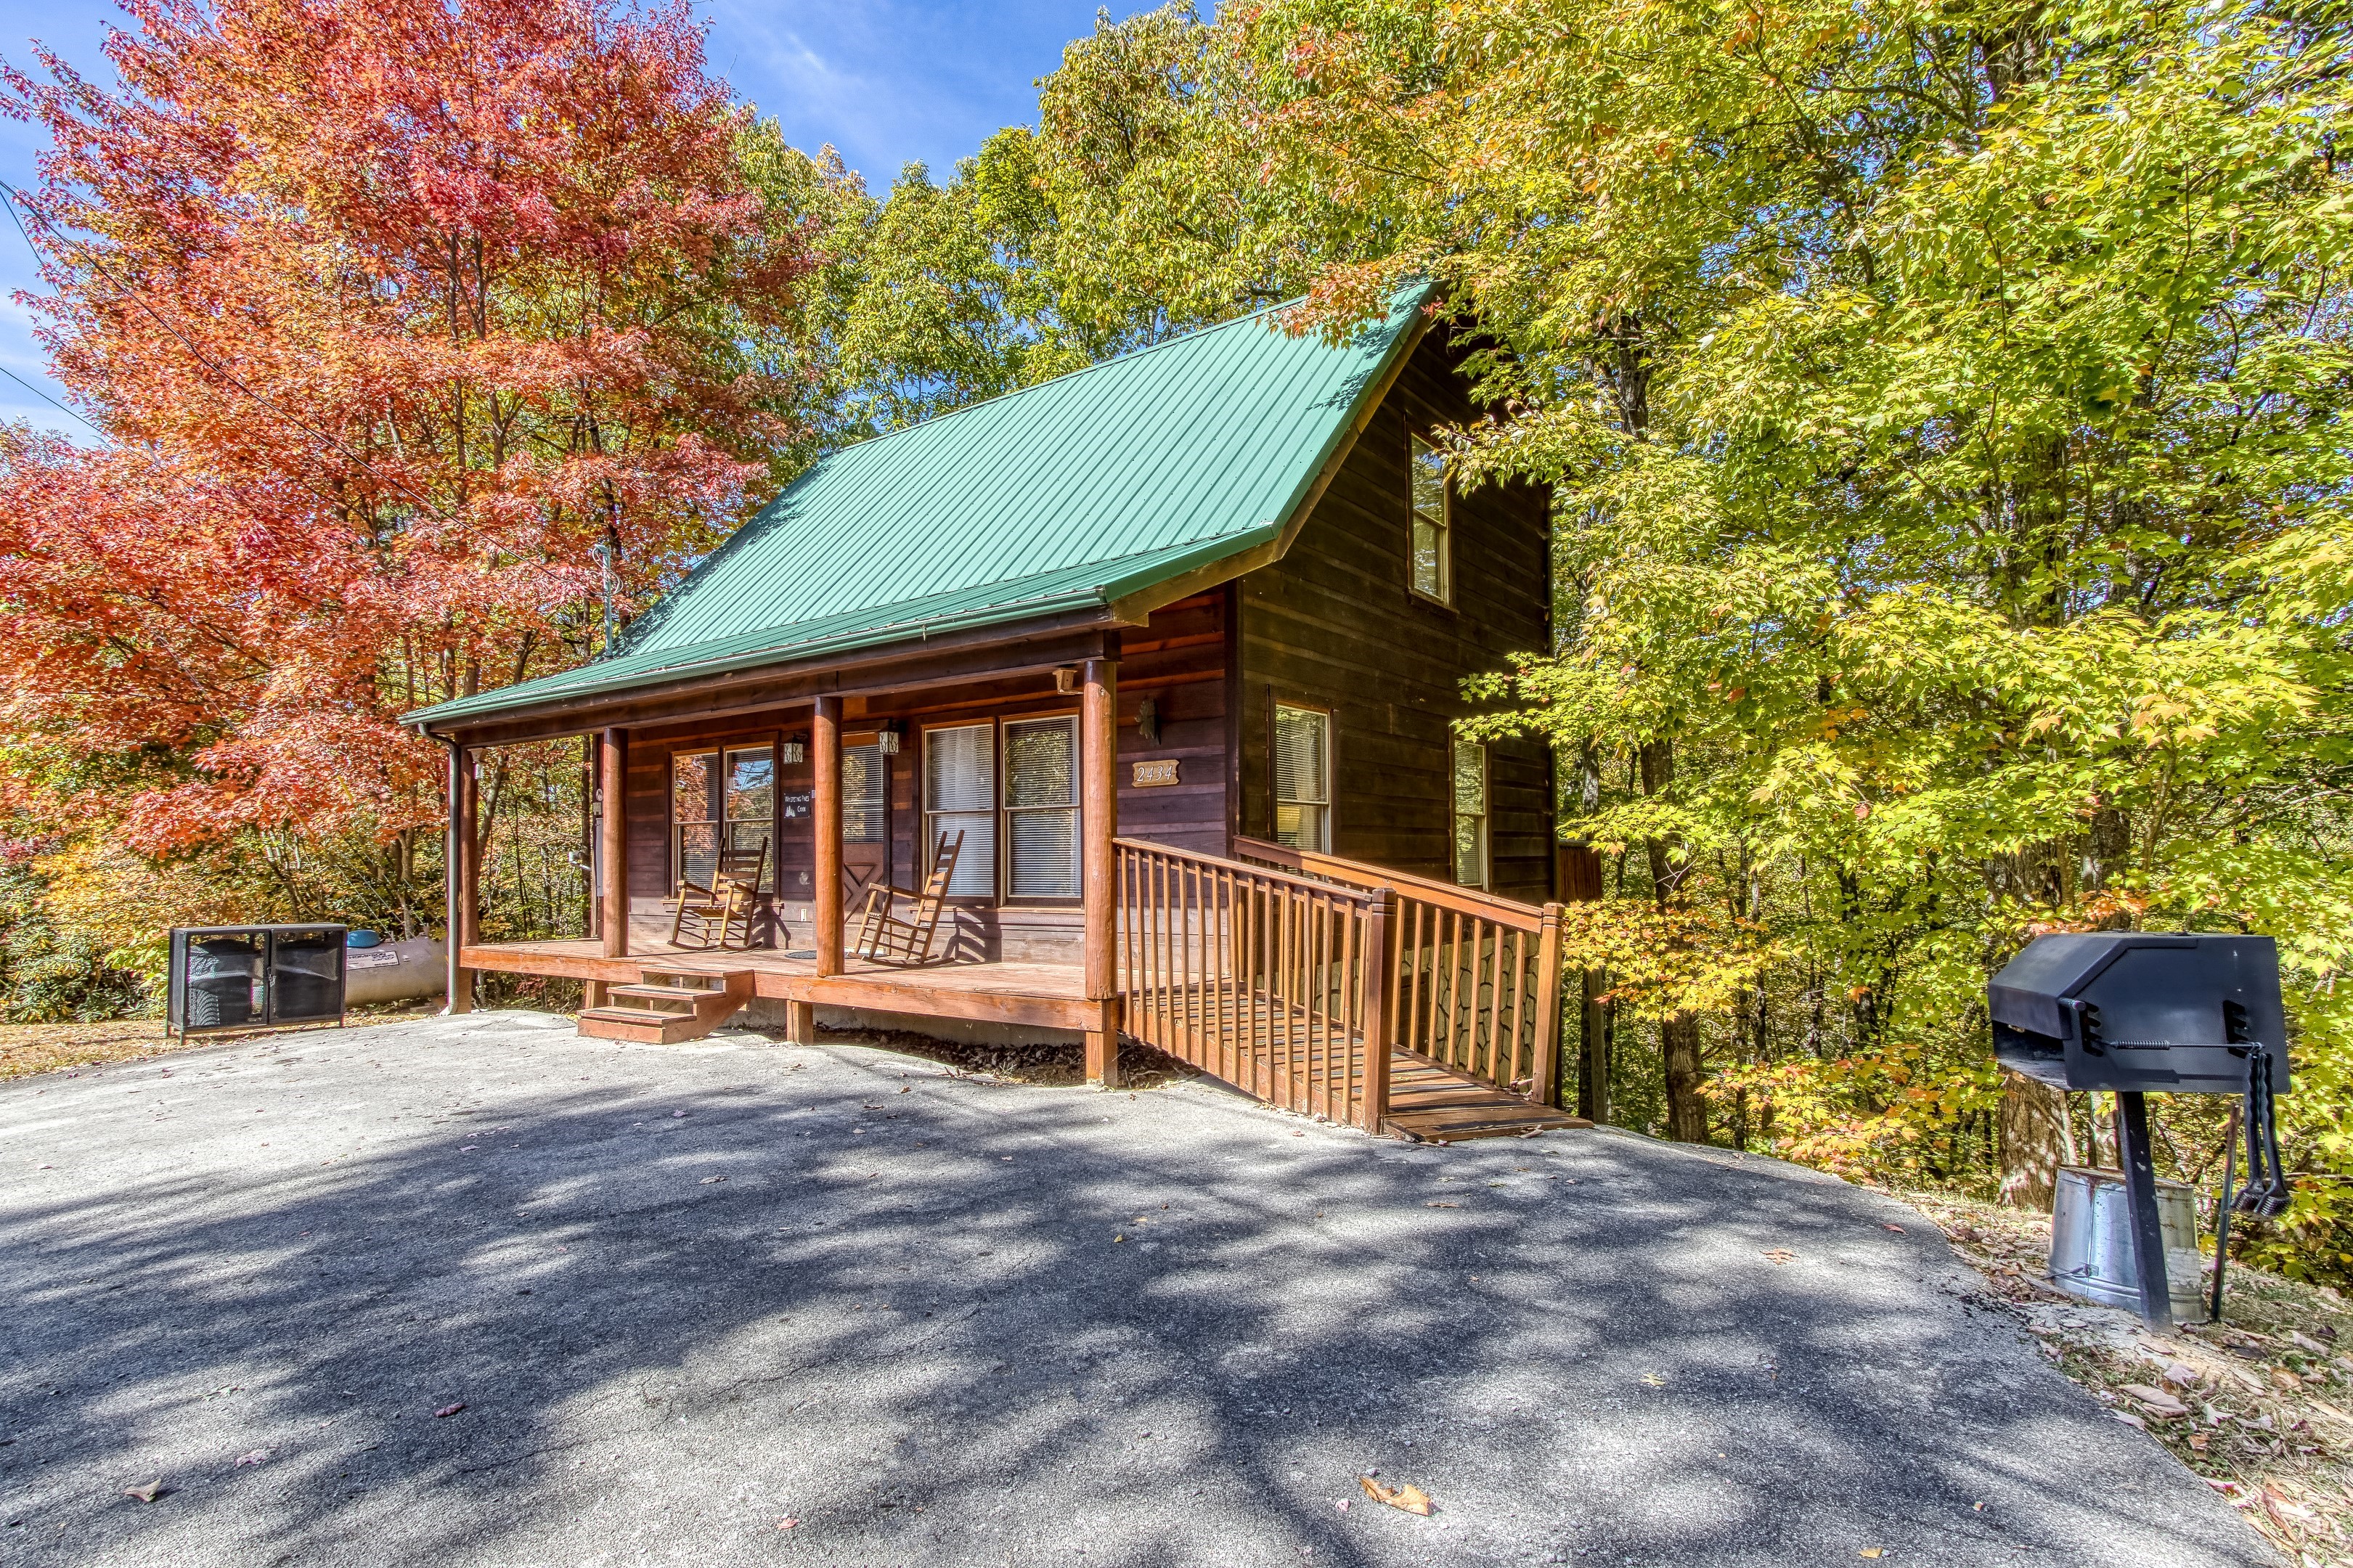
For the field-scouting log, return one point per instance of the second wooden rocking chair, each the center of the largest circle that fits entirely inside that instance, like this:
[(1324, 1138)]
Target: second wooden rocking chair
[(723, 914), (886, 938)]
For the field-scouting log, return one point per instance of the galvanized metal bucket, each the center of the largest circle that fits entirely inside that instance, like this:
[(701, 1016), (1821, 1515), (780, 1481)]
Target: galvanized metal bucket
[(2092, 1242)]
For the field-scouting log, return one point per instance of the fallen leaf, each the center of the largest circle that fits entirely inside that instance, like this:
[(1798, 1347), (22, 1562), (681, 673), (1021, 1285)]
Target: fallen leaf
[(2129, 1419), (1342, 1504), (1896, 1228), (1781, 1255), (712, 1181), (1441, 1205), (1407, 1497), (147, 1493), (1871, 1552), (448, 1410), (2155, 1399), (787, 1523), (258, 1456)]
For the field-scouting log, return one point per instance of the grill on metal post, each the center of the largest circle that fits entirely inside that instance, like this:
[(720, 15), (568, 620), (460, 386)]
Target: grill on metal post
[(2132, 1014)]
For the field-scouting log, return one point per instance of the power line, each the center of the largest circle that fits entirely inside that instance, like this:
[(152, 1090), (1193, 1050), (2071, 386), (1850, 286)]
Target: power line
[(133, 295), (52, 401)]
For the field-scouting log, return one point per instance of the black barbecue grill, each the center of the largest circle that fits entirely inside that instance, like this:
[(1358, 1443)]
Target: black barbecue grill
[(2129, 1013)]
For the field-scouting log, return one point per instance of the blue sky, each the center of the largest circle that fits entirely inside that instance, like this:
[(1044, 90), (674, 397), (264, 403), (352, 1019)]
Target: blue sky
[(887, 81)]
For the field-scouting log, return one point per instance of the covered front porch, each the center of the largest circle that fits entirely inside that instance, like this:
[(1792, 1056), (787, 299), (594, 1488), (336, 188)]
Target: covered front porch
[(835, 798)]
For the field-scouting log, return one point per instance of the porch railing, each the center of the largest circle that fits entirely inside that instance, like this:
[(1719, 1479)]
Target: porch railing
[(1476, 981), (1273, 981)]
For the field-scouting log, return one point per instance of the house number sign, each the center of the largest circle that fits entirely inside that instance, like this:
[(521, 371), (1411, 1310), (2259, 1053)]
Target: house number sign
[(1150, 774)]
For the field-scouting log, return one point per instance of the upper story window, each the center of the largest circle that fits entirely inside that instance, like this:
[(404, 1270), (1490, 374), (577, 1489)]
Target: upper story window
[(1471, 814), (1433, 543), (1302, 778)]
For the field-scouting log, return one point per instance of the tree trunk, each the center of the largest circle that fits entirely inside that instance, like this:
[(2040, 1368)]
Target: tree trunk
[(2034, 1141), (1686, 1111)]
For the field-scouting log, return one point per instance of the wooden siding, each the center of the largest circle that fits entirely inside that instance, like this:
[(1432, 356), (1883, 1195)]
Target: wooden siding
[(1179, 659), (1335, 626)]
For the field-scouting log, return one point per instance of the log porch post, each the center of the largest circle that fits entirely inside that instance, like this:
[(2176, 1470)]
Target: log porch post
[(825, 821), (461, 859), (613, 840), (1099, 825)]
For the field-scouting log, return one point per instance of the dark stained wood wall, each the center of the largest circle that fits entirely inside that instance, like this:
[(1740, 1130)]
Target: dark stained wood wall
[(1179, 659), (1333, 626)]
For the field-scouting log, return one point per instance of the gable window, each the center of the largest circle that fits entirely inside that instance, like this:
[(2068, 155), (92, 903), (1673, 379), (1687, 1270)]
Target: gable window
[(721, 798), (1042, 807), (960, 796), (1471, 814), (1434, 544), (1302, 778)]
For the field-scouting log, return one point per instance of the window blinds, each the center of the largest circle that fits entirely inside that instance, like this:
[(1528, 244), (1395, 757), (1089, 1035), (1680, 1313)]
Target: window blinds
[(1302, 778), (1042, 800), (960, 796), (1471, 814), (864, 777)]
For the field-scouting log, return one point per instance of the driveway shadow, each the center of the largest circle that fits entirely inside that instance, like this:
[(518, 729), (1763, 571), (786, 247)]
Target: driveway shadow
[(684, 1296)]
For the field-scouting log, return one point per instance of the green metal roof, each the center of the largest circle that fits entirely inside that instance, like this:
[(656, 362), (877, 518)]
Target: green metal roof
[(1064, 495)]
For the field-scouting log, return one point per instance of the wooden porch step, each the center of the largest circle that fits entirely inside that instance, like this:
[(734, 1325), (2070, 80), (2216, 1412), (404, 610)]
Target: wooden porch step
[(689, 1006), (658, 998)]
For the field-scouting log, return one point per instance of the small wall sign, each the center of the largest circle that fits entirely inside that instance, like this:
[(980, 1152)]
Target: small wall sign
[(1150, 774)]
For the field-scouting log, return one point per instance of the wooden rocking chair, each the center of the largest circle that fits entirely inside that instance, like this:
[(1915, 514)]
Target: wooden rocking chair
[(884, 937), (723, 914)]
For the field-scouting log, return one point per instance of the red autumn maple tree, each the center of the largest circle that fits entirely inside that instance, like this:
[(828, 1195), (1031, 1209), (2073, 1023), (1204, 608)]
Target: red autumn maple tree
[(391, 310)]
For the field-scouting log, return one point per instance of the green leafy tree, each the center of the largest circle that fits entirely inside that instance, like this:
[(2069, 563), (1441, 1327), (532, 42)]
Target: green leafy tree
[(1945, 406)]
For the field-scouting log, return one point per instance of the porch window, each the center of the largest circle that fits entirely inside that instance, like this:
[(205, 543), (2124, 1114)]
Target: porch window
[(1302, 778), (960, 796), (722, 798), (1471, 814), (1041, 807), (1433, 548), (865, 776)]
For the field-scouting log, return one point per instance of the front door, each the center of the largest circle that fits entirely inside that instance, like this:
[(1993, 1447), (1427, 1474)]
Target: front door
[(865, 821)]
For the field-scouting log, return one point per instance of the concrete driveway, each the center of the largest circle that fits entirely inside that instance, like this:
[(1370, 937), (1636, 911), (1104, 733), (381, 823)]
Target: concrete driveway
[(679, 1296)]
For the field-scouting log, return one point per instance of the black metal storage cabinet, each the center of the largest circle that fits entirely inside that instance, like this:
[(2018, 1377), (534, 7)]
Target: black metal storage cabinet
[(230, 978)]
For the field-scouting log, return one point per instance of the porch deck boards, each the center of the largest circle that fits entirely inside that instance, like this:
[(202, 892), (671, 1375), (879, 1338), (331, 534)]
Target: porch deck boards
[(1046, 996)]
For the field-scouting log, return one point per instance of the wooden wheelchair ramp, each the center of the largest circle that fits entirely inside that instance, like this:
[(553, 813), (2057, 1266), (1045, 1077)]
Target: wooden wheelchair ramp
[(1431, 1105), (1274, 980)]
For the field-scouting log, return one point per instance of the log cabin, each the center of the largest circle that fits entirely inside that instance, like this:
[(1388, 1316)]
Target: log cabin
[(1168, 652)]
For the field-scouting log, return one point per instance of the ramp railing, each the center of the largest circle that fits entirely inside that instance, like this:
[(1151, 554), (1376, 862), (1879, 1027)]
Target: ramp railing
[(1279, 984)]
